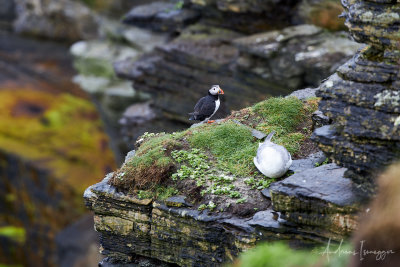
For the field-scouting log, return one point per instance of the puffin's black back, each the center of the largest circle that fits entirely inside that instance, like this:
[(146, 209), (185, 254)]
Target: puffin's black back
[(204, 108)]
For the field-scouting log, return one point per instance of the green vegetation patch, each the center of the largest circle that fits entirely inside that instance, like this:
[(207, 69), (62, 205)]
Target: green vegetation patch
[(231, 144), (151, 165), (216, 161), (17, 234), (280, 254)]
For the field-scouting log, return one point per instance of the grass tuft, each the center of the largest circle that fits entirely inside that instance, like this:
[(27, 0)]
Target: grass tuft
[(232, 145), (149, 167)]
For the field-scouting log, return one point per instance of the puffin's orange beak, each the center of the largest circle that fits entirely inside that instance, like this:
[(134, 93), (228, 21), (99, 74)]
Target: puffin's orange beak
[(221, 92)]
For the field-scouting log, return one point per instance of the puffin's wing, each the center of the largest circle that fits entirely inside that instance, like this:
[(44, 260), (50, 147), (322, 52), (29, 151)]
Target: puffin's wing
[(199, 105), (205, 106)]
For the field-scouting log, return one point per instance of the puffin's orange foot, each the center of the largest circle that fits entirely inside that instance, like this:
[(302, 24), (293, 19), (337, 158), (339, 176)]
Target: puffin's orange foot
[(210, 121)]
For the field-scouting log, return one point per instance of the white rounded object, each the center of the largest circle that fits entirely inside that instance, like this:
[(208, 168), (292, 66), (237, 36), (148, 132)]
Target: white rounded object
[(272, 160)]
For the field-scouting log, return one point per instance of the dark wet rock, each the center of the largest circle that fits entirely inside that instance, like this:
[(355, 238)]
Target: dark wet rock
[(266, 193), (321, 199), (203, 55), (304, 94), (7, 13), (362, 97), (59, 20), (161, 16), (319, 119), (137, 261), (312, 161)]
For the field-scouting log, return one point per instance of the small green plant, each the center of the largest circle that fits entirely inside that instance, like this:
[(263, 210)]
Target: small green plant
[(202, 207), (258, 183), (326, 161), (179, 5), (241, 200), (17, 234), (141, 194), (195, 167), (211, 205)]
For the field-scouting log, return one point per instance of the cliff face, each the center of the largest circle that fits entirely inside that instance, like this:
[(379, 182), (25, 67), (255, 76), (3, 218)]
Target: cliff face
[(362, 98), (173, 232)]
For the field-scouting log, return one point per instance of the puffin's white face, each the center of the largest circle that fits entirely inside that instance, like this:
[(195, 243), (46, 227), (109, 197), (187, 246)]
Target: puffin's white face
[(215, 90)]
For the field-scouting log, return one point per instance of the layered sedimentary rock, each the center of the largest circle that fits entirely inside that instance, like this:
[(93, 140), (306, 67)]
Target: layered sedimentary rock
[(248, 68), (362, 98), (320, 200), (310, 207)]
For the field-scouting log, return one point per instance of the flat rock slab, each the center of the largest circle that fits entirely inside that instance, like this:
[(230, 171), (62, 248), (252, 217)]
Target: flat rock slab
[(322, 184), (313, 160)]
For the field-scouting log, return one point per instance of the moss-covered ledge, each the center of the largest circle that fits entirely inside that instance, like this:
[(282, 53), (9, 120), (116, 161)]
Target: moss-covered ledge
[(194, 197)]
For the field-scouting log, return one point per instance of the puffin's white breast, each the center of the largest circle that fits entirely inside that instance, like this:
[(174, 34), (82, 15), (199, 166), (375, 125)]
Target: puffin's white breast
[(217, 103)]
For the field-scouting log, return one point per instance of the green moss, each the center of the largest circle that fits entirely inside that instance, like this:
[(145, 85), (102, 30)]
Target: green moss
[(283, 113), (151, 165), (152, 152), (232, 145), (284, 116), (280, 254), (17, 234)]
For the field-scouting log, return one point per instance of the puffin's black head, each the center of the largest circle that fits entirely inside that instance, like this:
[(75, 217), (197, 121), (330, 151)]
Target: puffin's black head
[(215, 90)]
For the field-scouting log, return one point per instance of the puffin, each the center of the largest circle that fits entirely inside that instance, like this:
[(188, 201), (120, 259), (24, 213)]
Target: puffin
[(207, 105), (272, 160)]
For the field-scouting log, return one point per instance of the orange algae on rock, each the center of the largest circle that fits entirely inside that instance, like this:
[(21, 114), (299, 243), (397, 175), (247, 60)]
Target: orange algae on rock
[(58, 132)]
